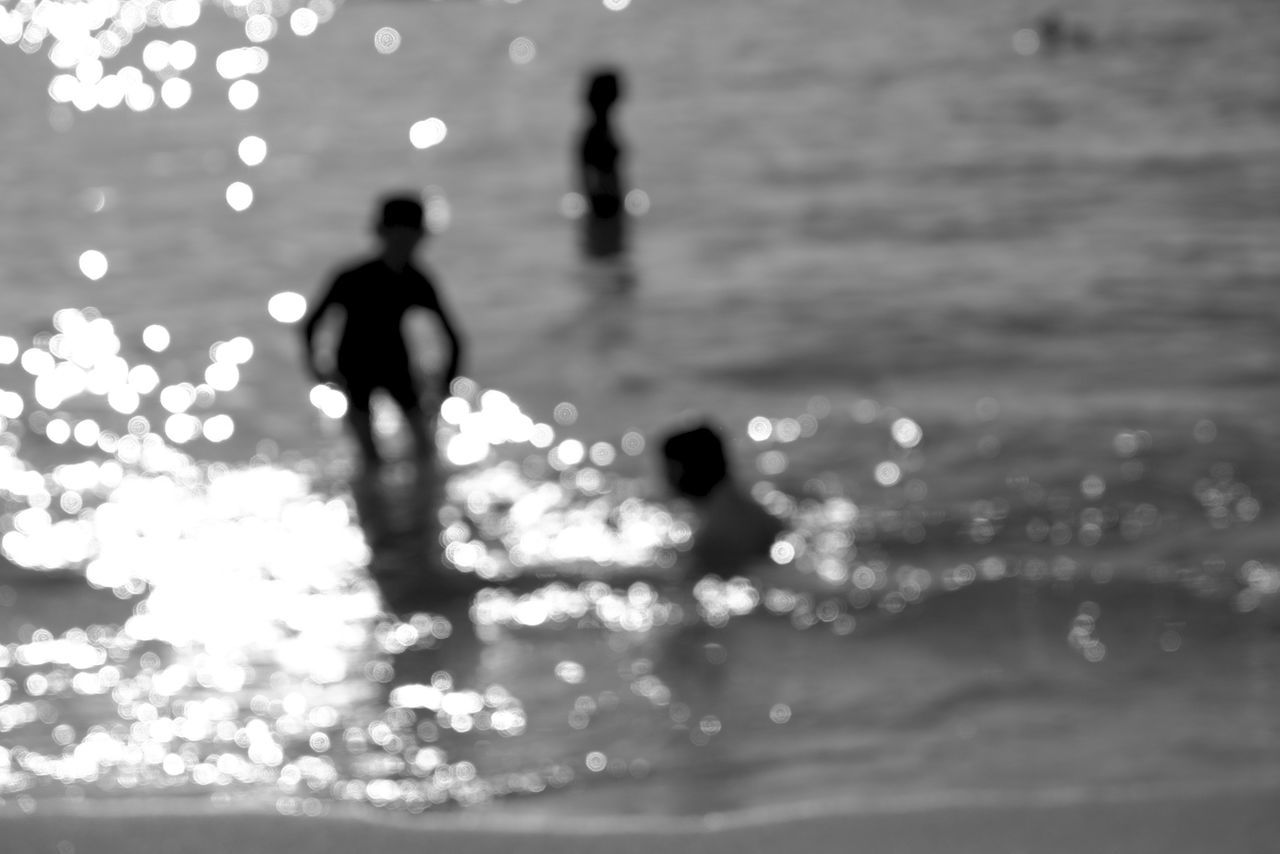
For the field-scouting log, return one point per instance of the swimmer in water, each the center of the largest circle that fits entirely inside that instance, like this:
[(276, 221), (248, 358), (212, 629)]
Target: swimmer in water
[(374, 296), (732, 528)]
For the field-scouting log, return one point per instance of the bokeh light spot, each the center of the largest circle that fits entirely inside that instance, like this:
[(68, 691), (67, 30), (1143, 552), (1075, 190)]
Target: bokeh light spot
[(570, 452), (243, 94), (572, 205), (522, 50), (386, 40), (175, 92), (58, 431), (123, 400), (219, 428), (636, 202), (140, 97), (182, 428), (156, 338), (239, 195), (888, 473), (760, 428), (303, 22), (565, 413), (260, 28), (93, 264), (143, 379), (236, 63), (222, 376), (428, 132), (155, 56), (906, 432), (287, 307), (329, 400), (86, 432), (252, 150), (182, 55)]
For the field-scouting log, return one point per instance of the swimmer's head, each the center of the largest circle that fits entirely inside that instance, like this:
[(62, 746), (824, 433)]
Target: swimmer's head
[(401, 227), (695, 461), (604, 88)]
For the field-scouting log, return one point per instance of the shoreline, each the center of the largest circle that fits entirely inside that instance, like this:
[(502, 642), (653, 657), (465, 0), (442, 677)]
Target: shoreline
[(1169, 819)]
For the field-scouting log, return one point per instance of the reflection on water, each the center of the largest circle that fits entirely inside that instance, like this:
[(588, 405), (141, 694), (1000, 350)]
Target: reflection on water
[(528, 615), (83, 38)]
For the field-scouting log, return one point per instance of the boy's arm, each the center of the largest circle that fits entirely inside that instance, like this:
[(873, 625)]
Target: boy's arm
[(311, 323), (431, 302), (429, 299), (455, 348)]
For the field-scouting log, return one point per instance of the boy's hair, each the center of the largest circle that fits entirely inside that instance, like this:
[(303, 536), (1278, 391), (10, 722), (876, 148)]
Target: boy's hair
[(696, 462), (401, 211)]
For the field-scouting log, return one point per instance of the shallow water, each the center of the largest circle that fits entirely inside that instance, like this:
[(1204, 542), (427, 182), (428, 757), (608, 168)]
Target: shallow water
[(993, 333)]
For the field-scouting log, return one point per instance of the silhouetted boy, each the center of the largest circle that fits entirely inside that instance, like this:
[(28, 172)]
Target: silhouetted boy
[(374, 297), (732, 528), (600, 177)]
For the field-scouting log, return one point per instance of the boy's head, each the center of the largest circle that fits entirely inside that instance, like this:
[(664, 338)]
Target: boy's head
[(401, 212), (695, 461), (603, 90), (400, 227)]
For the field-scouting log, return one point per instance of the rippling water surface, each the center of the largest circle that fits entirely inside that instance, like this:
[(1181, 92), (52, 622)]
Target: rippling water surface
[(992, 330)]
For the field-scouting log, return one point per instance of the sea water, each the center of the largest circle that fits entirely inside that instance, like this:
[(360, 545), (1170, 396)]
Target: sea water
[(990, 325)]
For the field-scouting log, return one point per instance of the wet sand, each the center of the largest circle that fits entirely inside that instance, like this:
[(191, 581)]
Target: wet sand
[(1221, 822)]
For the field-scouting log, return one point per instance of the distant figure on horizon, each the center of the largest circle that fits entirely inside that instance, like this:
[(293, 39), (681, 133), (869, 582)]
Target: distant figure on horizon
[(600, 177), (732, 527), (1056, 32), (374, 296)]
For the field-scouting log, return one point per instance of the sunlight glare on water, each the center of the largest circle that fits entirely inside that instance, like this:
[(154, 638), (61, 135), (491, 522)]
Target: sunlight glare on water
[(243, 94), (427, 133), (239, 196), (287, 307), (258, 654), (86, 36), (93, 264), (252, 150)]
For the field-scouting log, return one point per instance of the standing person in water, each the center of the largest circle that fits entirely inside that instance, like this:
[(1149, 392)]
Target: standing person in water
[(374, 296), (600, 177)]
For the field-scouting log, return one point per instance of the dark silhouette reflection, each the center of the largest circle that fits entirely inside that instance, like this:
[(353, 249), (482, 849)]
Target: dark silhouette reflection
[(373, 297), (399, 512), (598, 344), (600, 174), (732, 528)]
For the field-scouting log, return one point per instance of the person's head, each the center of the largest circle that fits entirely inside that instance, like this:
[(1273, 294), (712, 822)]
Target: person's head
[(695, 462), (603, 89), (400, 227)]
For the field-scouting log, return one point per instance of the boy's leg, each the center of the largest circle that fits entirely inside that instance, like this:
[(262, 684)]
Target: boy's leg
[(419, 428), (361, 423), (405, 394), (362, 426)]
